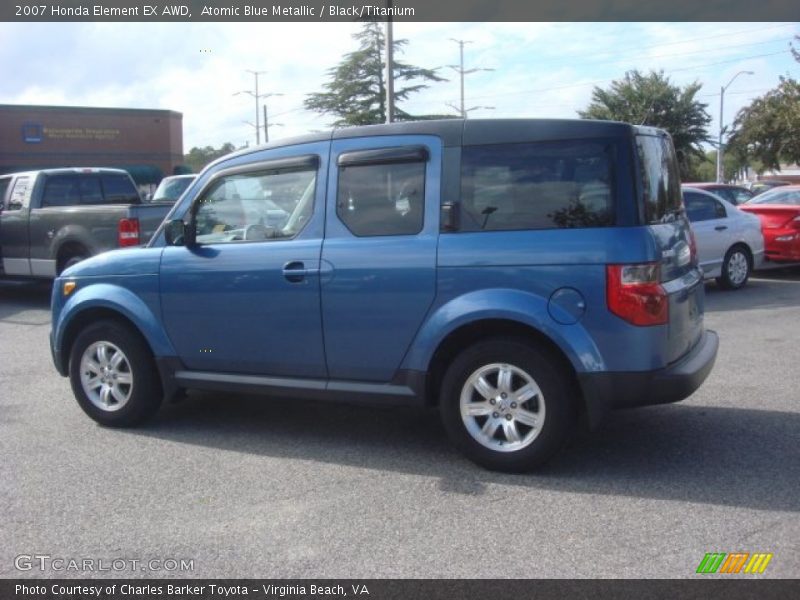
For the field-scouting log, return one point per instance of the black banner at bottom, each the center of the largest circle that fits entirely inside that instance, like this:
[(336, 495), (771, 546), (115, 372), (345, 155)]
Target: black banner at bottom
[(395, 589)]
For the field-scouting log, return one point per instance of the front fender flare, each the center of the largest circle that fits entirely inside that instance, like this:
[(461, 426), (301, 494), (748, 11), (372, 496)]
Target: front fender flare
[(120, 300)]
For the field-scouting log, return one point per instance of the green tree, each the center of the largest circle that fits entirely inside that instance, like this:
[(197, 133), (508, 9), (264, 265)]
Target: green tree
[(768, 129), (652, 100), (766, 133), (356, 93), (198, 158)]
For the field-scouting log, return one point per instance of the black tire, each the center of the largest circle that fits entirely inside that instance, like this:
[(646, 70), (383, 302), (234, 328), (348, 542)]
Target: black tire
[(732, 278), (558, 405), (144, 392)]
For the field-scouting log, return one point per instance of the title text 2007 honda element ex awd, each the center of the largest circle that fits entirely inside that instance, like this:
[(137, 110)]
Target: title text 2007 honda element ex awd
[(516, 273)]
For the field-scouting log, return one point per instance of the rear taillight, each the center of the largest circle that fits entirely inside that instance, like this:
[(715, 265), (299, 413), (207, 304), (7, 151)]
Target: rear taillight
[(128, 232), (633, 293)]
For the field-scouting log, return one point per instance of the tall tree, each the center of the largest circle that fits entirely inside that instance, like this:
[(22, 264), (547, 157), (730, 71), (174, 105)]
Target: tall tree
[(198, 158), (652, 100), (768, 129), (356, 93)]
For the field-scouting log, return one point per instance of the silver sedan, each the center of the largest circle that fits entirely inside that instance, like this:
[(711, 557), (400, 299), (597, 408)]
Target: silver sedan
[(730, 244)]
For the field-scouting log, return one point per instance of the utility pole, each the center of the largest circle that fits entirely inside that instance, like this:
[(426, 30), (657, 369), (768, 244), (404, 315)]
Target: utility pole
[(721, 105), (462, 109), (389, 37), (256, 97), (266, 120)]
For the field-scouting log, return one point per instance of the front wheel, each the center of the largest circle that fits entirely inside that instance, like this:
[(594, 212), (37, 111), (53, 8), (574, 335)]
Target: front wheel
[(507, 404), (113, 375), (736, 267)]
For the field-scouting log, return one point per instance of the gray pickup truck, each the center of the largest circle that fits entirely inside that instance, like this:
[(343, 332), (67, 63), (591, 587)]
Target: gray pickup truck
[(54, 218)]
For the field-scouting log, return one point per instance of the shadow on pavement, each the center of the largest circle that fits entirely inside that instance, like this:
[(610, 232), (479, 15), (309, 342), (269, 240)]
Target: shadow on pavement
[(724, 456), (19, 296)]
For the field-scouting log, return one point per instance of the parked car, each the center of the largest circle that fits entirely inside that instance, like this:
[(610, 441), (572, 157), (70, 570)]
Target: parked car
[(779, 211), (170, 188), (734, 194), (516, 273), (730, 244), (759, 187), (54, 218)]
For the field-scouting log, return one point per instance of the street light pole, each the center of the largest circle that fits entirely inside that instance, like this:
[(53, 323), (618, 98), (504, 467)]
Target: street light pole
[(721, 105)]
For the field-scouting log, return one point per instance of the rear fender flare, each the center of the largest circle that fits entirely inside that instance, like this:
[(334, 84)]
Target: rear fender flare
[(507, 304)]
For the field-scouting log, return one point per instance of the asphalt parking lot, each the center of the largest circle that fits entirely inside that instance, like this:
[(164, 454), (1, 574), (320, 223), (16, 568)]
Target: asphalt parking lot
[(251, 487)]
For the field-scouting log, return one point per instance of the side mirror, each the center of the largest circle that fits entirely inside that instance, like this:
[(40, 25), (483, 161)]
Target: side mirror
[(178, 233)]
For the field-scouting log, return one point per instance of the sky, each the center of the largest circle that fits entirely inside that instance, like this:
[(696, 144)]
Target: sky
[(539, 69)]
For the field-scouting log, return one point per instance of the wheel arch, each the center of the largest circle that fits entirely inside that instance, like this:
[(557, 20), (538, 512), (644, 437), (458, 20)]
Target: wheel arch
[(484, 329), (106, 301)]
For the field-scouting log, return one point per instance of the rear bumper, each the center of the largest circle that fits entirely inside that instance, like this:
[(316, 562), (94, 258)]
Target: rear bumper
[(607, 391)]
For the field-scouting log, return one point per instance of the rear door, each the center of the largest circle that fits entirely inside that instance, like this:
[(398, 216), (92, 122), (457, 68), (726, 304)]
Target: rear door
[(664, 215), (379, 254)]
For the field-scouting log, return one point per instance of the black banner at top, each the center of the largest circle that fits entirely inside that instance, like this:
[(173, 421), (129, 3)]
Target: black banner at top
[(398, 10)]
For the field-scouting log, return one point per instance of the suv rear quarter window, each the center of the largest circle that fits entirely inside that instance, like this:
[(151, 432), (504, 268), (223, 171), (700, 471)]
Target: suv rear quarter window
[(661, 184), (540, 185)]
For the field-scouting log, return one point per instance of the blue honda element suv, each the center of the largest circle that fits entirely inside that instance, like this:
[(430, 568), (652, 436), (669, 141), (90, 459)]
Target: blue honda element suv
[(518, 274)]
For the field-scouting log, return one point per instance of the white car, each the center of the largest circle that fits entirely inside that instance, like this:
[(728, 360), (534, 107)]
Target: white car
[(730, 244)]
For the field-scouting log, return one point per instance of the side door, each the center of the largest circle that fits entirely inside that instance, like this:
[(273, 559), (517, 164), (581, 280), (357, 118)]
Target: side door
[(379, 254), (245, 298), (711, 228), (14, 236)]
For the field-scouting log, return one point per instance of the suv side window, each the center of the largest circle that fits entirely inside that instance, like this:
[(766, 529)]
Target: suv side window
[(660, 180), (382, 199), (240, 207), (540, 185)]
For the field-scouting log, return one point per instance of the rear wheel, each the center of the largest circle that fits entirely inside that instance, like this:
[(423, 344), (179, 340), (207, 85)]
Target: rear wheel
[(508, 405), (113, 375), (736, 268)]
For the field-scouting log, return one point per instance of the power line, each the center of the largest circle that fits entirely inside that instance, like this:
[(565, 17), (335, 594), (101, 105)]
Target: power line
[(599, 81), (638, 49)]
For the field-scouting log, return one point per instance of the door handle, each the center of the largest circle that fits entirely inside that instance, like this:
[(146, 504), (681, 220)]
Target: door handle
[(721, 227), (296, 271)]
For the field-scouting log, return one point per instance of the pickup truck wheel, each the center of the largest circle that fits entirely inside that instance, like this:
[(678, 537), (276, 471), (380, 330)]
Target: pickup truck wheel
[(113, 375), (72, 260), (507, 405)]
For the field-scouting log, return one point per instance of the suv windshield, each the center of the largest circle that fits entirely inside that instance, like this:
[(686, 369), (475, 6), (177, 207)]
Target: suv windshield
[(661, 187)]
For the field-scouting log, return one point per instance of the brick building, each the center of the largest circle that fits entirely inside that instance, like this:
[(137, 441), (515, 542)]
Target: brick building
[(148, 143)]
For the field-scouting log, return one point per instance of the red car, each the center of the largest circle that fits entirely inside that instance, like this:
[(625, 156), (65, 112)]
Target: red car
[(779, 211)]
